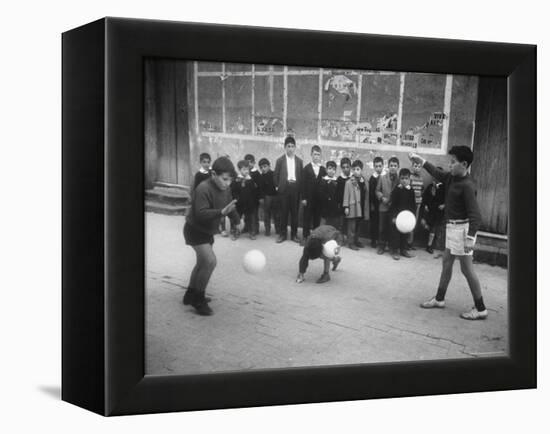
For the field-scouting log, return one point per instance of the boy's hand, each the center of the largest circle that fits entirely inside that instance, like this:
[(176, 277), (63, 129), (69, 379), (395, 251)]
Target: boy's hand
[(229, 207), (426, 208), (393, 220), (441, 207), (304, 202), (385, 200), (346, 211), (469, 245), (261, 201), (415, 158)]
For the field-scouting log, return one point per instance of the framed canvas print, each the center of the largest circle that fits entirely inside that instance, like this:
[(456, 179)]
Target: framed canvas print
[(263, 216)]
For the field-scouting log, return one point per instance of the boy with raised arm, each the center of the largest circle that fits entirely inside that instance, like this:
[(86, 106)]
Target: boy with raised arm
[(463, 219)]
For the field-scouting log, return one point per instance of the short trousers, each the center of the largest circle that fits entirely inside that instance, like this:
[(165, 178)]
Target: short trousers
[(455, 238), (195, 237)]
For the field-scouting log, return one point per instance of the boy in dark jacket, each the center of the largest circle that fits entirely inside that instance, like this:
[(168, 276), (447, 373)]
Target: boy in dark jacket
[(268, 196), (245, 191), (330, 209), (378, 164), (204, 171), (433, 212), (402, 199), (311, 177), (345, 173), (255, 175)]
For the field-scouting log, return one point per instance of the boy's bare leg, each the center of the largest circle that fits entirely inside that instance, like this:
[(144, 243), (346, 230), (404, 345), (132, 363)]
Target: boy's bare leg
[(206, 263), (467, 268), (446, 274)]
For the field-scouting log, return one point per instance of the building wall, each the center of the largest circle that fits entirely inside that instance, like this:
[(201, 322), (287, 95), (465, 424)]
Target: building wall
[(490, 168), (239, 109)]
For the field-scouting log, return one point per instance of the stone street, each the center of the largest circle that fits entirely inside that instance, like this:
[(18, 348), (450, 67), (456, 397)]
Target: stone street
[(369, 312)]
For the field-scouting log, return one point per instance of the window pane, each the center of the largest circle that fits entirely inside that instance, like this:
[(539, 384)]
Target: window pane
[(268, 105), (210, 103), (339, 107), (423, 116), (463, 110), (379, 107), (302, 105), (238, 105)]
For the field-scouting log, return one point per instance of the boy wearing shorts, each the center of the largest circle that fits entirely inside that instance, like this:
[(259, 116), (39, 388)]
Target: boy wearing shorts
[(463, 218)]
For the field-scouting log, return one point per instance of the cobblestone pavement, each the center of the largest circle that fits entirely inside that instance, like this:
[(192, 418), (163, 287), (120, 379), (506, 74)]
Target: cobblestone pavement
[(369, 311)]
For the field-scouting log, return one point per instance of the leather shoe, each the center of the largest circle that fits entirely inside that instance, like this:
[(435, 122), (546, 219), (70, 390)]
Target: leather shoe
[(324, 278), (281, 238)]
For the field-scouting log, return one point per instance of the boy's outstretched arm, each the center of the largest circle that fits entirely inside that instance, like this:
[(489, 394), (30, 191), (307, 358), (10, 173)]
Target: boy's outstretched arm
[(440, 175)]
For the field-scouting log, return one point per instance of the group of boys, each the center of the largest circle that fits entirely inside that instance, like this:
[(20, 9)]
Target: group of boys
[(335, 207), (342, 201)]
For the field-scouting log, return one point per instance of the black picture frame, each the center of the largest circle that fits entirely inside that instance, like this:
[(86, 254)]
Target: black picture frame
[(103, 216)]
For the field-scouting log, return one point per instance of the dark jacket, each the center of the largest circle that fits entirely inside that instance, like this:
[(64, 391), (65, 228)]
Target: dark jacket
[(280, 174), (206, 206), (267, 184), (431, 202), (460, 197), (310, 182), (328, 189), (199, 177), (402, 199), (246, 193)]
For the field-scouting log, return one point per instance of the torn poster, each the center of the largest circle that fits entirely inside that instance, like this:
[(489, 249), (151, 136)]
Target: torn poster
[(342, 85)]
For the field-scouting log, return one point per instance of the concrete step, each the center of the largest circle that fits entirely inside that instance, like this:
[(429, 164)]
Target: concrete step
[(165, 208), (168, 195), (186, 188)]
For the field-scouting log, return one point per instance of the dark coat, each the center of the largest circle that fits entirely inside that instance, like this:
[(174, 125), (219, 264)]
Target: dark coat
[(280, 174), (310, 182), (246, 193)]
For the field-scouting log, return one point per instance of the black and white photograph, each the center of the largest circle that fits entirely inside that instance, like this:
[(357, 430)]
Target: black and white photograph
[(299, 216), (274, 217)]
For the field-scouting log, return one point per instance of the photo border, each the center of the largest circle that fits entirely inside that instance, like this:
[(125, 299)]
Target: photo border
[(115, 349)]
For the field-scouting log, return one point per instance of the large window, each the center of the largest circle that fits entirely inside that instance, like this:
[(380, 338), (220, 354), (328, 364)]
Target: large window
[(371, 109)]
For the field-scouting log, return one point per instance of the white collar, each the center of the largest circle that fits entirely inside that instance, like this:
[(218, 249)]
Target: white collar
[(201, 170), (328, 178)]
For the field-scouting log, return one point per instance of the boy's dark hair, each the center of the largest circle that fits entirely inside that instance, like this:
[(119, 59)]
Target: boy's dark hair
[(250, 157), (331, 164), (315, 148), (243, 163), (357, 163), (204, 156), (314, 248), (378, 160), (289, 139), (462, 153), (223, 165), (264, 162), (393, 159), (345, 160), (404, 172)]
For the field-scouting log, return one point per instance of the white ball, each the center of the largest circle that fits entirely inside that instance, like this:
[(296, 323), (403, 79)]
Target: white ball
[(329, 249), (254, 261), (405, 222)]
